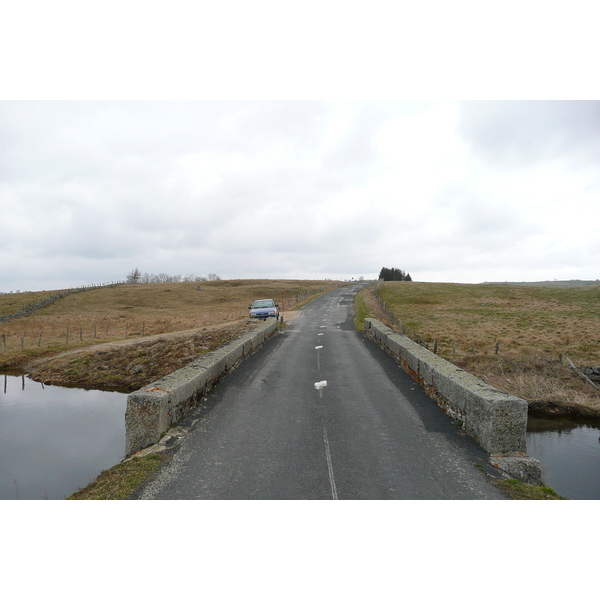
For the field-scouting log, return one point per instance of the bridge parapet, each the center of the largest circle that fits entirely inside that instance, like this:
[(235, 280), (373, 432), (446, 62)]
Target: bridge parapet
[(153, 409), (496, 420)]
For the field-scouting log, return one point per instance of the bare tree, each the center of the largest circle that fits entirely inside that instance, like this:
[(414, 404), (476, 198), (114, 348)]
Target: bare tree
[(134, 276)]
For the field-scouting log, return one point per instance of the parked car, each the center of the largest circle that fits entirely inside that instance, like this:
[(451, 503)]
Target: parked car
[(262, 309)]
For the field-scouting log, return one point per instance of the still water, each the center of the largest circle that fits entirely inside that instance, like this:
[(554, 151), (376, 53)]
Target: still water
[(55, 440), (569, 450)]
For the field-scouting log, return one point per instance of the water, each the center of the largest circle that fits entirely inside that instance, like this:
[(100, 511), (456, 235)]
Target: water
[(56, 440), (569, 450)]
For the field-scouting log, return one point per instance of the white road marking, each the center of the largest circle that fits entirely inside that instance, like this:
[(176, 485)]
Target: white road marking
[(317, 348), (319, 385), (329, 465)]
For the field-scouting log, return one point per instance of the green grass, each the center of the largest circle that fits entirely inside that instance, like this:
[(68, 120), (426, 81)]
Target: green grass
[(120, 481), (361, 310), (518, 490)]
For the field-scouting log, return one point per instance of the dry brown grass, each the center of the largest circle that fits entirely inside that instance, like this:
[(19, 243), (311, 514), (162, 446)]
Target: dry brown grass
[(129, 365), (534, 328), (132, 311)]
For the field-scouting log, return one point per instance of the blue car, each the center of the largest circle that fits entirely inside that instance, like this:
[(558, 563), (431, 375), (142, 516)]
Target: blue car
[(263, 309)]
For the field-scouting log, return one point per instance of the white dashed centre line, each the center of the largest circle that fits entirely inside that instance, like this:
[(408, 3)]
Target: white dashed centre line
[(329, 465)]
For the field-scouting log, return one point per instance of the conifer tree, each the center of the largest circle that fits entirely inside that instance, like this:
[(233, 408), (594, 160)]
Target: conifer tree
[(394, 275)]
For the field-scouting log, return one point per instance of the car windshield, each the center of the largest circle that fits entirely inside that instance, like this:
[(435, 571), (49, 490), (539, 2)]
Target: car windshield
[(263, 304)]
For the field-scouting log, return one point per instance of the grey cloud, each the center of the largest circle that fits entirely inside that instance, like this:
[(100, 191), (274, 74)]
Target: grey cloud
[(94, 189), (521, 133)]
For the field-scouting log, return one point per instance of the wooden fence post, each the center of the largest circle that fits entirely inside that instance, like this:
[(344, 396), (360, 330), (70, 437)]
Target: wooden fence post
[(40, 338)]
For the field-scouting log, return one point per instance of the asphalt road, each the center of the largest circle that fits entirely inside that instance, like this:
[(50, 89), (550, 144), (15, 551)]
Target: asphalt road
[(266, 431)]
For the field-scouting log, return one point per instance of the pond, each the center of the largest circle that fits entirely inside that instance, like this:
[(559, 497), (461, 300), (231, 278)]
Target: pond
[(55, 440), (569, 450)]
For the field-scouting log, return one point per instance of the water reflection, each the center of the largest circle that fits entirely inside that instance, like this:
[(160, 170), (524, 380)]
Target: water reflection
[(55, 440), (569, 450)]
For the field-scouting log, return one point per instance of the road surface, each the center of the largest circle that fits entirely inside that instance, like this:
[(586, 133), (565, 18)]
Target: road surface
[(268, 432)]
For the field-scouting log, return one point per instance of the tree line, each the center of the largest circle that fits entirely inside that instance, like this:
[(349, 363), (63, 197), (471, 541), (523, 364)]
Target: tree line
[(136, 276), (394, 275)]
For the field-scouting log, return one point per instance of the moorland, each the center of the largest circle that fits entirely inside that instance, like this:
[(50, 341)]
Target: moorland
[(522, 339), (127, 335)]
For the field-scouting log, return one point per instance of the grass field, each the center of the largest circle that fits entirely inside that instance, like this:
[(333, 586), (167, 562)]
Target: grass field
[(515, 337), (138, 312)]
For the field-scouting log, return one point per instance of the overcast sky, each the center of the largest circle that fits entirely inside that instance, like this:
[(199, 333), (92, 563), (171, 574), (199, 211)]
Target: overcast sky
[(448, 191), (247, 186)]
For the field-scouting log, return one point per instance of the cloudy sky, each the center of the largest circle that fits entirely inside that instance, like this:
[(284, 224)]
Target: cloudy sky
[(448, 191), (259, 184)]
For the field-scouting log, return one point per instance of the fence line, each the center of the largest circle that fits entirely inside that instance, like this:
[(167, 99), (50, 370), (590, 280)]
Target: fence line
[(399, 327), (69, 333), (85, 331), (28, 309)]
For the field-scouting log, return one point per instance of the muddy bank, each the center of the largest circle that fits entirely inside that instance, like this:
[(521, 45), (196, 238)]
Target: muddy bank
[(129, 365), (549, 407)]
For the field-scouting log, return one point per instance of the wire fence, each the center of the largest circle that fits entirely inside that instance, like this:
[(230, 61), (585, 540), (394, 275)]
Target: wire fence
[(28, 309), (40, 334), (74, 334), (586, 374), (431, 344)]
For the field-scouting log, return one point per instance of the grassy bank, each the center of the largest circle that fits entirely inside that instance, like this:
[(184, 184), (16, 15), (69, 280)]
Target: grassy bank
[(516, 338), (517, 490), (120, 481)]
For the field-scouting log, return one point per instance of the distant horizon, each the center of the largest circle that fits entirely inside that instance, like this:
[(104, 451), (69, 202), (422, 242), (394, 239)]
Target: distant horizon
[(463, 191), (356, 279)]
